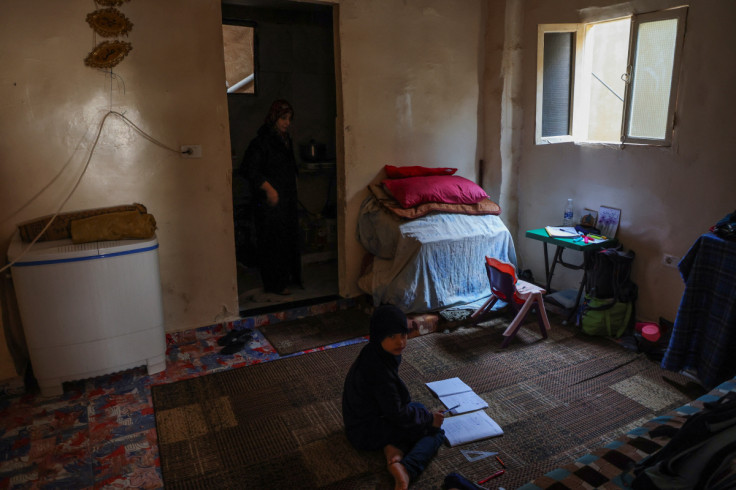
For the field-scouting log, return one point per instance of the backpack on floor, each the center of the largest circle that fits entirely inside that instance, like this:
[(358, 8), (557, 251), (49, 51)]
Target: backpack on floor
[(605, 316), (610, 295), (609, 275)]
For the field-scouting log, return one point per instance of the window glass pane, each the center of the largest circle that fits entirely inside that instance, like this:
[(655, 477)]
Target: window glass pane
[(652, 79), (239, 59), (558, 62), (608, 47)]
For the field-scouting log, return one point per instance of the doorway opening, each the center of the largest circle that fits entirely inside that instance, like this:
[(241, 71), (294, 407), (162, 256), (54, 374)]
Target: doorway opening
[(292, 58)]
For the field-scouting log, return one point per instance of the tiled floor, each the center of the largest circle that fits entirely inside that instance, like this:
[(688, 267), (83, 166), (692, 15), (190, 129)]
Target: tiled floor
[(101, 432), (319, 278)]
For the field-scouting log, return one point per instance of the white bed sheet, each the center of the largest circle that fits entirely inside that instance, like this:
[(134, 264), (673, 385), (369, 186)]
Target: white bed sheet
[(433, 262)]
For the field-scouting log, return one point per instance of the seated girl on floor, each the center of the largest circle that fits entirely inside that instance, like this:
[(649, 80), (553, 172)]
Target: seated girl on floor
[(376, 406)]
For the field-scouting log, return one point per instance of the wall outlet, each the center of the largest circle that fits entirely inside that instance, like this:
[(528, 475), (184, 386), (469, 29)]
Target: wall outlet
[(191, 151), (670, 260)]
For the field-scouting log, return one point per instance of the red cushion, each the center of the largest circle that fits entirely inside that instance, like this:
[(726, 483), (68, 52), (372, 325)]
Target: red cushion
[(450, 189), (416, 171)]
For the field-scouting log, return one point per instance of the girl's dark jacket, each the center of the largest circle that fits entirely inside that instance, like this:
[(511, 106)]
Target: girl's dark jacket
[(375, 402)]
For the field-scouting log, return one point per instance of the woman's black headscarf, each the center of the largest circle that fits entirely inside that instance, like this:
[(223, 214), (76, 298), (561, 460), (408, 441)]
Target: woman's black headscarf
[(278, 109)]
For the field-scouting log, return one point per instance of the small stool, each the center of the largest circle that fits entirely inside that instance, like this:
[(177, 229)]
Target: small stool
[(521, 295)]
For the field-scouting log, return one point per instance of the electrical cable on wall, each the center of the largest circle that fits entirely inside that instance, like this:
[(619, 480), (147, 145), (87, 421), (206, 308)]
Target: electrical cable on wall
[(108, 22), (44, 188), (81, 175)]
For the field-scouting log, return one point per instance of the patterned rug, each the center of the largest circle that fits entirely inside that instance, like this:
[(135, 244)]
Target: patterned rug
[(317, 330), (279, 425)]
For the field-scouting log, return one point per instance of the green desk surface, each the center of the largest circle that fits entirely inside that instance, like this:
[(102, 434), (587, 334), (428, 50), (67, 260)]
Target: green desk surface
[(541, 235)]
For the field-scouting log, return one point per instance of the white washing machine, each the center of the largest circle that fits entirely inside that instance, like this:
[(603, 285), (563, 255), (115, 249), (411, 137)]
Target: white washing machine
[(89, 309)]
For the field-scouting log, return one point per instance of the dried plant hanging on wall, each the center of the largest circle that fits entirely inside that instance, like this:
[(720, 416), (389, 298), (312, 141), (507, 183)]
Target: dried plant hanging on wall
[(109, 22), (110, 3), (108, 54)]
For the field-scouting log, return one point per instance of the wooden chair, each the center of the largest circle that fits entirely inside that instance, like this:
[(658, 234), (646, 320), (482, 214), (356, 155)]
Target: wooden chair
[(518, 294)]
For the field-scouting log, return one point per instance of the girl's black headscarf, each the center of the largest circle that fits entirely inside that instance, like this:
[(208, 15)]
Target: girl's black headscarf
[(387, 320)]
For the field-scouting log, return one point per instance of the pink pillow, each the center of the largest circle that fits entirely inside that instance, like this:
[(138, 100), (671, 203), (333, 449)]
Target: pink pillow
[(449, 189), (416, 171)]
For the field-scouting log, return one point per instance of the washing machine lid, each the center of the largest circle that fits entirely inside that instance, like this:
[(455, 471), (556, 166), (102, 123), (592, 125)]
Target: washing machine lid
[(57, 251)]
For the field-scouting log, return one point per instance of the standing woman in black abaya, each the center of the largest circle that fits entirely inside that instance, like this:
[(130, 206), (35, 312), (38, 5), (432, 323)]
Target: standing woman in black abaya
[(270, 168)]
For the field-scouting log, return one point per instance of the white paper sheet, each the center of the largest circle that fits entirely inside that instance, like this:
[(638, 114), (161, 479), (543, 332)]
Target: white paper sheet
[(470, 427), (469, 401), (451, 386)]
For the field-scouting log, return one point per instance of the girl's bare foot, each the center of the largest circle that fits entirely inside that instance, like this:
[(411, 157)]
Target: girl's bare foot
[(392, 453), (397, 470), (401, 476)]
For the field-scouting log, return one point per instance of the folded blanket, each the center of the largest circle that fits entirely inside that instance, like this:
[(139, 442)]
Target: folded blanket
[(113, 226), (60, 228)]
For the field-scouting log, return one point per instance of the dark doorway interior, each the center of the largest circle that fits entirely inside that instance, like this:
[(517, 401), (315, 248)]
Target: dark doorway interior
[(294, 60)]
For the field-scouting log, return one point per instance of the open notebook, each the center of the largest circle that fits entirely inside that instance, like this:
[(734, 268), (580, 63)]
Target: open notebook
[(469, 427), (469, 421), (562, 231)]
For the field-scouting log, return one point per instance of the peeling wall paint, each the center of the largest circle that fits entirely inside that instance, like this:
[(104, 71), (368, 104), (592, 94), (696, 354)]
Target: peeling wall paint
[(511, 114)]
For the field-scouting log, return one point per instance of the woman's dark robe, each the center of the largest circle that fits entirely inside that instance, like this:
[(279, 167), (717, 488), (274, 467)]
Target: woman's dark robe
[(270, 157)]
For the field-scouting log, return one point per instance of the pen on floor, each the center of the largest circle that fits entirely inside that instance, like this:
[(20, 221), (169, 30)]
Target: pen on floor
[(499, 460), (453, 408), (498, 473)]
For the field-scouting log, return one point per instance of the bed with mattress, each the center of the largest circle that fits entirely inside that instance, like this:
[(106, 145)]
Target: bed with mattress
[(425, 255)]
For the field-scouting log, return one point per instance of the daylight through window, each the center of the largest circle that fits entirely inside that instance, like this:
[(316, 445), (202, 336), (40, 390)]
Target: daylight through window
[(238, 42), (609, 81)]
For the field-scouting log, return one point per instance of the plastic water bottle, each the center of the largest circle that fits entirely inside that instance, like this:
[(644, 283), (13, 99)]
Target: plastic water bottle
[(567, 219)]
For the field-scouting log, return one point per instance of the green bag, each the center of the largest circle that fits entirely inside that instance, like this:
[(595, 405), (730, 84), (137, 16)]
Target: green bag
[(605, 316)]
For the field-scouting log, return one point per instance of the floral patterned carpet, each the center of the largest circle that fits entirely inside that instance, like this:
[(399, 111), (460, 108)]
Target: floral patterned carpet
[(101, 432)]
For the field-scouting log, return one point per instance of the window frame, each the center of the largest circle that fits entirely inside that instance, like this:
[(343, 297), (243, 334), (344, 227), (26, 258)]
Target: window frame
[(579, 111), (577, 31), (680, 14)]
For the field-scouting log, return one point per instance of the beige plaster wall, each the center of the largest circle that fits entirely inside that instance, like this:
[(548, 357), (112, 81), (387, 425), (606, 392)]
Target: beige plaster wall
[(171, 86), (410, 96), (409, 83), (493, 82), (668, 196)]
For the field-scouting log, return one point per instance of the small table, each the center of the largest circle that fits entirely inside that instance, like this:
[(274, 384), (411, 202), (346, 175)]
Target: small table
[(561, 244)]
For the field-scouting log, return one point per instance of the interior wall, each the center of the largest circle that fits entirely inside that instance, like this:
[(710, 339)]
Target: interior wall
[(410, 96), (668, 196), (417, 106), (492, 83), (171, 86), (420, 105)]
